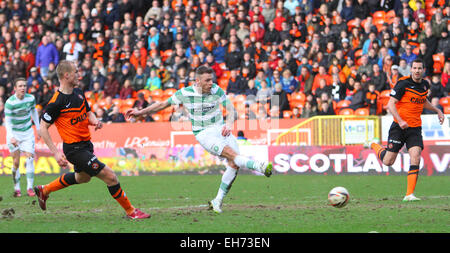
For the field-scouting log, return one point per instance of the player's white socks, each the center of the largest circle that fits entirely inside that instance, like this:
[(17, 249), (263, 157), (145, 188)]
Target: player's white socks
[(16, 179), (30, 172), (227, 180), (243, 161)]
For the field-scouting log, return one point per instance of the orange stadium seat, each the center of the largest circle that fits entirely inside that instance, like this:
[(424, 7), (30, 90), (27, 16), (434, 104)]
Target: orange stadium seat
[(128, 102), (362, 111), (117, 102), (358, 53), (102, 103), (389, 17), (156, 94), (169, 92), (298, 96), (379, 15), (223, 83), (346, 111), (445, 101), (439, 58), (447, 109), (287, 114), (438, 63), (342, 104), (145, 92), (352, 23), (157, 117)]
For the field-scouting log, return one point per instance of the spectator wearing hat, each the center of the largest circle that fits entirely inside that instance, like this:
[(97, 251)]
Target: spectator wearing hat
[(394, 76), (45, 54), (34, 76), (268, 11)]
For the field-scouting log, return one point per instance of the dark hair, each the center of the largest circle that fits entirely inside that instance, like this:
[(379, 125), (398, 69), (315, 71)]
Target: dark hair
[(203, 70), (18, 80), (418, 60)]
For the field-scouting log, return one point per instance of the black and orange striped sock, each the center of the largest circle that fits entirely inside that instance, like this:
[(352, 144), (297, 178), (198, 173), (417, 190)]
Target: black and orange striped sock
[(413, 174), (118, 194), (61, 182), (379, 150)]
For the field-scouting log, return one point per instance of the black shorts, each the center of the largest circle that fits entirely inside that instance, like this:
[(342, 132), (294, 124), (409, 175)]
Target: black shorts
[(411, 136), (81, 155)]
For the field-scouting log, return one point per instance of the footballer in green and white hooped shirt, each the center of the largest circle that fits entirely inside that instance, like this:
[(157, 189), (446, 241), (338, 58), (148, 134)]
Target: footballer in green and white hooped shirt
[(20, 109), (202, 101)]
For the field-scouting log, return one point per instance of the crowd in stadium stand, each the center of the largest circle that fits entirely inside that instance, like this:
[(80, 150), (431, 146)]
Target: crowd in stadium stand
[(274, 58)]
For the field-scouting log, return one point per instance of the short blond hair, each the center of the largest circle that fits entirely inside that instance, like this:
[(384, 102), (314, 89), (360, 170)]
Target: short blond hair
[(63, 67)]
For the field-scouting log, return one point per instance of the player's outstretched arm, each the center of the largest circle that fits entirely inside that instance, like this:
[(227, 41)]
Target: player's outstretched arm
[(431, 107), (153, 108)]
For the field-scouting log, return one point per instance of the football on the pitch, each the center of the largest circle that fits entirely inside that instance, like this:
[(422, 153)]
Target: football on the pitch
[(338, 197)]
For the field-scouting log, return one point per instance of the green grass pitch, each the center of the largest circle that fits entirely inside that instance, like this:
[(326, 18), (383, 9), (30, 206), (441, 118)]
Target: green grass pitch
[(255, 204)]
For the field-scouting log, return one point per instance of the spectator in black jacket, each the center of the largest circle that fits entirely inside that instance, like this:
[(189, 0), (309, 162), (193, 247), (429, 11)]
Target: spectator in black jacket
[(358, 98), (361, 9), (233, 57), (279, 99), (236, 85), (379, 78)]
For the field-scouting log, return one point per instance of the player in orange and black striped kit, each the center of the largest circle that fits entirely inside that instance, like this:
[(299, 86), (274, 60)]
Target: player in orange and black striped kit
[(69, 111), (408, 99)]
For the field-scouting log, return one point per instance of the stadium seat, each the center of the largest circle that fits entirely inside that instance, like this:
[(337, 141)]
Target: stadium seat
[(389, 17), (352, 23), (342, 104), (430, 12), (346, 111), (447, 109), (362, 111), (439, 58), (128, 102), (287, 114), (298, 96), (157, 117), (156, 94), (379, 15), (240, 98), (166, 54), (169, 92), (378, 23), (145, 92), (223, 83), (102, 103), (445, 101), (117, 102), (298, 104)]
